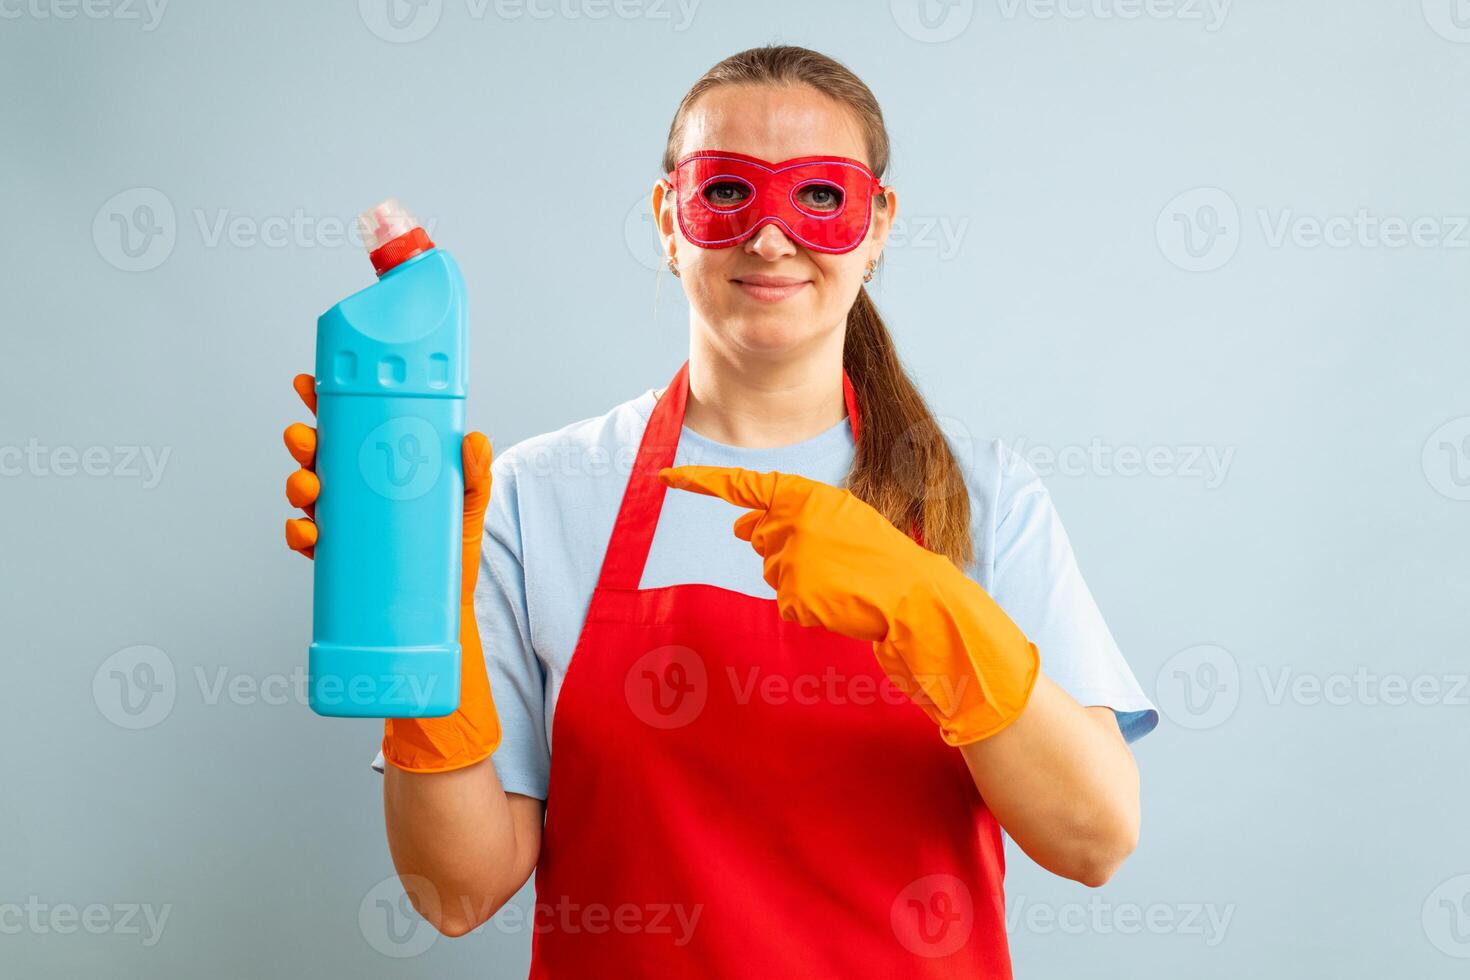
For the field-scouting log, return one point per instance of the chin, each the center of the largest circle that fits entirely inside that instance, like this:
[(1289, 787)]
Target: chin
[(770, 334)]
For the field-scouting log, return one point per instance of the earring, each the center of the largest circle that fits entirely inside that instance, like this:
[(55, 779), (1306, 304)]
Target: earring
[(871, 269), (674, 266)]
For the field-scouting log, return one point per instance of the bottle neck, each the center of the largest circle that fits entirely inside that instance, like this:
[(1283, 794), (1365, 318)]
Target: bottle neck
[(393, 253), (405, 264)]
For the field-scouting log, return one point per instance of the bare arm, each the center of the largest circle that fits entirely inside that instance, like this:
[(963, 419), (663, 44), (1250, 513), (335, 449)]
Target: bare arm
[(1063, 783), (460, 832), (462, 845)]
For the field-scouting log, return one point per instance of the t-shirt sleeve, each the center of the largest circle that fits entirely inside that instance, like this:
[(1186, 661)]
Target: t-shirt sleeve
[(517, 676), (1037, 581)]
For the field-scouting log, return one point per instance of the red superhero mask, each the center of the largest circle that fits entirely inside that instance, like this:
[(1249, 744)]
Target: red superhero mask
[(822, 203)]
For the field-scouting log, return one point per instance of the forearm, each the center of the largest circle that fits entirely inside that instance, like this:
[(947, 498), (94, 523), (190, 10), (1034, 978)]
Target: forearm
[(459, 832), (1058, 776), (1063, 783)]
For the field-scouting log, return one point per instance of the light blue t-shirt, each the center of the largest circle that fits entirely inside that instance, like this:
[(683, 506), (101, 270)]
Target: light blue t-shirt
[(553, 503)]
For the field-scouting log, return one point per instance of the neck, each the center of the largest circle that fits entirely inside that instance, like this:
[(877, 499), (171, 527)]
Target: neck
[(757, 402)]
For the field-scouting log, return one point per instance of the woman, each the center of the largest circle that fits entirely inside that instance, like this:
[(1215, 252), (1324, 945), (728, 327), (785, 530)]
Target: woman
[(790, 763)]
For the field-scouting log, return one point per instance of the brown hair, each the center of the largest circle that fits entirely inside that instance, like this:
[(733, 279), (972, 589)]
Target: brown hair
[(903, 465)]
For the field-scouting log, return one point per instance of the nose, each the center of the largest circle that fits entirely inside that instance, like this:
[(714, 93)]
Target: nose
[(769, 242)]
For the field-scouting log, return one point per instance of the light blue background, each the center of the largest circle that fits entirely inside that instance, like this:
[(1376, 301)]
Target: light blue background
[(1059, 310)]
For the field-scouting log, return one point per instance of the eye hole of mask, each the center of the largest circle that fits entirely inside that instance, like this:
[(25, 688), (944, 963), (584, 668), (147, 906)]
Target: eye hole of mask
[(818, 197), (726, 193)]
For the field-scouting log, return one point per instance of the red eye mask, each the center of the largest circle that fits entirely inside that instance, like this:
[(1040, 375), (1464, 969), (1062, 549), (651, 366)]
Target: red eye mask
[(823, 203)]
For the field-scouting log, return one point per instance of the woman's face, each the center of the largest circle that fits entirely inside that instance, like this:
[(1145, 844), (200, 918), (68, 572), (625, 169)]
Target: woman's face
[(724, 284)]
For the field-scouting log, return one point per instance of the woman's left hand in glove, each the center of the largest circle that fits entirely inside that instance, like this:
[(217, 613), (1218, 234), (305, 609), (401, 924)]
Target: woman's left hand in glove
[(837, 563)]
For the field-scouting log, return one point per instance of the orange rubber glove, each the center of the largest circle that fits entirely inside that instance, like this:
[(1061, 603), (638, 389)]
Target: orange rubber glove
[(472, 732), (838, 563)]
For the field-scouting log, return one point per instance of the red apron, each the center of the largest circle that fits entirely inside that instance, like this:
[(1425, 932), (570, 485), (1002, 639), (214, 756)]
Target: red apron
[(737, 796)]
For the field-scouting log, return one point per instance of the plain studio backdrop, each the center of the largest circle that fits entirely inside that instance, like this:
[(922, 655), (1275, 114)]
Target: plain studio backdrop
[(1203, 264)]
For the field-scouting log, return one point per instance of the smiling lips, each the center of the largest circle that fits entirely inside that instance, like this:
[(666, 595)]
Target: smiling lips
[(770, 289)]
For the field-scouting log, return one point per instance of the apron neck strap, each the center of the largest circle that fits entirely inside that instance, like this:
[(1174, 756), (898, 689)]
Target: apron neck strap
[(632, 535)]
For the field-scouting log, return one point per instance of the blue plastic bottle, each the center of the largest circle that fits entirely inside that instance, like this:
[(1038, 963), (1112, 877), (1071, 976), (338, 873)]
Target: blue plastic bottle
[(391, 371)]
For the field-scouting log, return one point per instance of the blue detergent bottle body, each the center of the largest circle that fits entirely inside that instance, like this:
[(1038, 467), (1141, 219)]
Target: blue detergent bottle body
[(391, 378)]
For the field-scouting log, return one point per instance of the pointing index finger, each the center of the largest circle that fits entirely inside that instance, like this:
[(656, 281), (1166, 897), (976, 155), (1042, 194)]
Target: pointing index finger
[(744, 488)]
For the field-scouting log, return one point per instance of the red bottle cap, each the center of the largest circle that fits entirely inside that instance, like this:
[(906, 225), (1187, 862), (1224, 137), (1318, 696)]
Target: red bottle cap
[(391, 235)]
